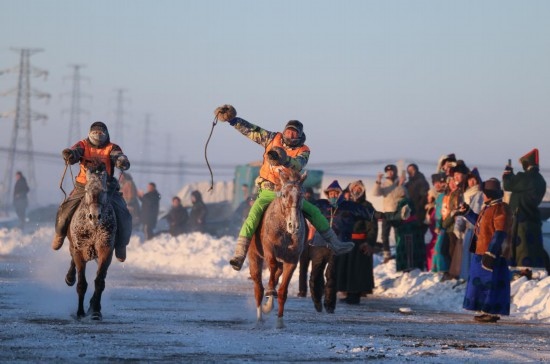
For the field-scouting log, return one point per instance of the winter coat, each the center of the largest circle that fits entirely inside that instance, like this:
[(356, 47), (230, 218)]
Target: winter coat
[(387, 190), (177, 218), (354, 270), (198, 214), (298, 155), (20, 191), (527, 190), (150, 208), (417, 188)]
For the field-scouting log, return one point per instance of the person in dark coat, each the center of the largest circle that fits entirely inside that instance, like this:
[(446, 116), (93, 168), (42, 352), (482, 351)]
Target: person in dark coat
[(20, 201), (342, 215), (527, 190), (417, 188), (150, 210), (177, 217), (355, 269), (198, 213), (488, 288)]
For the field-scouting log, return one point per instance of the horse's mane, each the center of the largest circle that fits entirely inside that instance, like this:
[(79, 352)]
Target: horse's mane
[(95, 165)]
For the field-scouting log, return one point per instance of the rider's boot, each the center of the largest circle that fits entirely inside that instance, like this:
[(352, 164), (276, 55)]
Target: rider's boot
[(57, 242), (120, 252), (240, 252), (337, 246)]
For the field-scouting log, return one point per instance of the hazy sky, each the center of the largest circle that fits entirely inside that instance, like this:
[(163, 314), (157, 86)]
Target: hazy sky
[(371, 80)]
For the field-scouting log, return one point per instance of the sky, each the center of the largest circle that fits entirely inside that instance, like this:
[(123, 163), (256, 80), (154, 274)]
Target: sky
[(373, 81), (177, 296)]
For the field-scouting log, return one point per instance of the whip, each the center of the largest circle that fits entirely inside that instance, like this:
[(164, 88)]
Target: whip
[(214, 122)]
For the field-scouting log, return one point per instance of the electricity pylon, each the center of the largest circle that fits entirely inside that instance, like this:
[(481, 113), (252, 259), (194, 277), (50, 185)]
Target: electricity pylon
[(21, 146)]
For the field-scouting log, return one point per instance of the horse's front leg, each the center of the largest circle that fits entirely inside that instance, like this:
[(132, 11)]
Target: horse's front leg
[(255, 265), (282, 294), (70, 278), (95, 302), (81, 285)]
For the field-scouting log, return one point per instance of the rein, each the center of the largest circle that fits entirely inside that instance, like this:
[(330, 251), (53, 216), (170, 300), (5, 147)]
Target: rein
[(63, 177)]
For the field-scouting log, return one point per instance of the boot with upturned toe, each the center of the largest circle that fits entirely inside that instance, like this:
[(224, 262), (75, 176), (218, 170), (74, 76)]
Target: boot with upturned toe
[(57, 242), (240, 253), (337, 246), (120, 253)]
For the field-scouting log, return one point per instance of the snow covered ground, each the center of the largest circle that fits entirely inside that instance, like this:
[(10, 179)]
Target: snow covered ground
[(176, 299)]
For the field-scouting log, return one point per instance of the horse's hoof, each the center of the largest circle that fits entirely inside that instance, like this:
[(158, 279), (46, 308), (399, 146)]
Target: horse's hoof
[(270, 294), (96, 316), (70, 280)]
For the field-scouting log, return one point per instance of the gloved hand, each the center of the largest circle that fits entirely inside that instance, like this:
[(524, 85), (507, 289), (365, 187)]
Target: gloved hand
[(68, 155), (277, 156), (225, 113), (488, 261), (462, 210), (122, 163)]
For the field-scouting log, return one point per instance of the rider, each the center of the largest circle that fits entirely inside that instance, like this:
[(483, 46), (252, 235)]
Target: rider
[(282, 150), (96, 146)]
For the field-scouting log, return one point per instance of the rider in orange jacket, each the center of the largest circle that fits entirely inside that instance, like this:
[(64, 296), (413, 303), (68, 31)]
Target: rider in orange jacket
[(96, 146)]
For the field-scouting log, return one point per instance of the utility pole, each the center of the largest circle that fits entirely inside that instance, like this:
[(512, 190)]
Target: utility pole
[(21, 134), (75, 111), (119, 116), (146, 142)]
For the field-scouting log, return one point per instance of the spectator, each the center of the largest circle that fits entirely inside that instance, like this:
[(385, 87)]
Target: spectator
[(527, 190), (460, 173), (417, 190), (177, 217), (473, 196), (20, 201), (441, 258), (410, 249), (433, 214), (355, 269), (198, 213), (387, 189), (130, 196), (488, 288), (150, 210), (342, 215)]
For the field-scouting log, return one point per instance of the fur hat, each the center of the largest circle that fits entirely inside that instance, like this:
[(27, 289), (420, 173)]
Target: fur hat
[(296, 125), (474, 173), (530, 159), (334, 186), (391, 167), (439, 177), (491, 188), (460, 167), (356, 185), (99, 125)]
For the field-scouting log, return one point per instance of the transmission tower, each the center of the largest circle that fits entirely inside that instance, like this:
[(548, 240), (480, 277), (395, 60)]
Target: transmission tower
[(21, 134), (75, 112), (119, 116), (146, 141)]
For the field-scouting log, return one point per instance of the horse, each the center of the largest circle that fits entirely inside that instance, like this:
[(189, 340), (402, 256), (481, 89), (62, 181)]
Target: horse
[(279, 241), (91, 234)]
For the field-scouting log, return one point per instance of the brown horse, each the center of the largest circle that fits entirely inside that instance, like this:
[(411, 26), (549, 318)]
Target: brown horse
[(91, 235), (279, 240)]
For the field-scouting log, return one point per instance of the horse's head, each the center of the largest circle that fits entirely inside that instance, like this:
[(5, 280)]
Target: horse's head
[(292, 198), (96, 191)]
